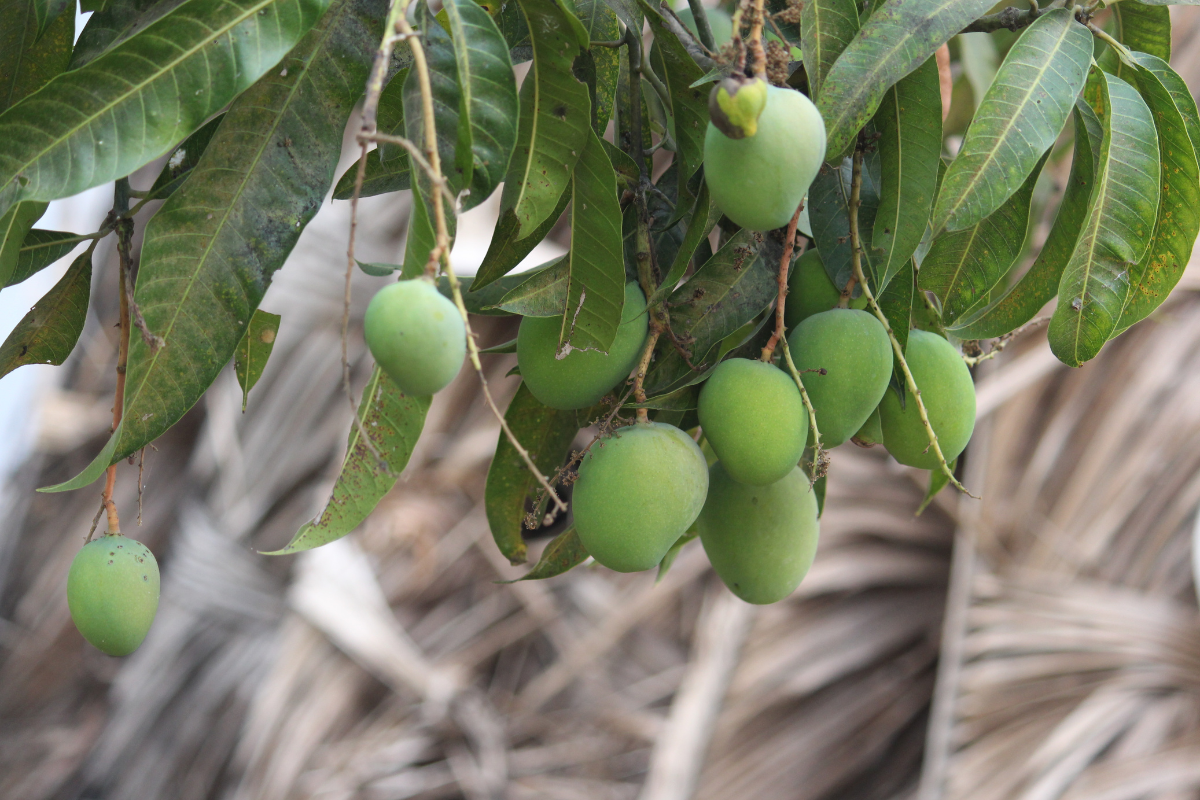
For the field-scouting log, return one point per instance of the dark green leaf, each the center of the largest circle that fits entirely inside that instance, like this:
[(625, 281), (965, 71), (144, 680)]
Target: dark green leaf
[(133, 103), (704, 216), (116, 22), (393, 421), (15, 225), (389, 117), (39, 250), (896, 39), (602, 63), (488, 105), (1179, 204), (565, 552), (254, 349), (1141, 28), (829, 216), (909, 123), (211, 250), (183, 160), (826, 27), (421, 237), (542, 293), (664, 566), (555, 118), (962, 267), (48, 333), (28, 57), (896, 302), (689, 105), (546, 433), (1020, 117), (683, 399), (596, 288), (447, 99), (507, 251), (1119, 226), (49, 11), (381, 177)]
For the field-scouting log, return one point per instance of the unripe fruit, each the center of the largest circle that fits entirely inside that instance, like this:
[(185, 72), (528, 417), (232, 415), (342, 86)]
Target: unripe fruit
[(853, 349), (810, 291), (753, 417), (948, 394), (758, 181), (735, 104), (638, 491), (583, 377), (416, 335), (112, 592), (760, 539)]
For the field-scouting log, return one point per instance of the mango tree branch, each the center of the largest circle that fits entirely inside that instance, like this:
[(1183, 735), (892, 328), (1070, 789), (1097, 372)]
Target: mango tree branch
[(757, 54), (909, 381), (700, 17), (782, 283)]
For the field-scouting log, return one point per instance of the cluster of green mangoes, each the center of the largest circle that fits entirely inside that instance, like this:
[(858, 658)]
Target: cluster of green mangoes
[(112, 593)]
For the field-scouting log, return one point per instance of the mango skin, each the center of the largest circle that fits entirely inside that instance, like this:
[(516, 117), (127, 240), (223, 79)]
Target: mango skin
[(948, 393), (759, 181), (416, 335), (112, 592), (810, 291), (753, 417), (761, 540), (854, 350), (582, 378), (638, 491)]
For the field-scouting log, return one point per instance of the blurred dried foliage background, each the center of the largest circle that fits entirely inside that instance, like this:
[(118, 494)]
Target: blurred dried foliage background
[(392, 664)]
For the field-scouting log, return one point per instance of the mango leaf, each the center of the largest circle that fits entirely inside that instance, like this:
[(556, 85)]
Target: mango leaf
[(896, 302), (909, 123), (938, 480), (447, 99), (183, 160), (898, 37), (829, 216), (1040, 283), (15, 225), (963, 267), (1020, 117), (116, 22), (704, 217), (381, 177), (689, 106), (1120, 223), (211, 250), (601, 65), (1141, 28), (488, 107), (254, 349), (668, 560), (393, 421), (48, 333), (421, 237), (30, 55), (546, 433), (1179, 204), (542, 293), (507, 251), (826, 28), (48, 11), (39, 250), (129, 106), (564, 553), (389, 117), (596, 287)]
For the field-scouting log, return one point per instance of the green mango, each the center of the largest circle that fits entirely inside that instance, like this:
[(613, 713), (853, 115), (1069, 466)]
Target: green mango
[(758, 181), (810, 291), (760, 539), (948, 393), (754, 419), (112, 593), (638, 491), (583, 377), (853, 349), (416, 335)]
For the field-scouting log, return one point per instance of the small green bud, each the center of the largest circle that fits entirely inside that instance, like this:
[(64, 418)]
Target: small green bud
[(735, 104)]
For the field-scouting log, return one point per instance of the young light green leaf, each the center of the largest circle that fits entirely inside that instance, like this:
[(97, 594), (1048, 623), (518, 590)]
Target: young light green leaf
[(254, 349), (704, 217), (542, 293), (39, 250), (596, 288), (15, 225), (1179, 204), (48, 333), (546, 433), (898, 37), (909, 123), (1020, 117), (1120, 223), (554, 122), (393, 421), (1040, 283), (564, 553), (488, 106), (826, 27), (963, 267), (211, 250), (129, 106)]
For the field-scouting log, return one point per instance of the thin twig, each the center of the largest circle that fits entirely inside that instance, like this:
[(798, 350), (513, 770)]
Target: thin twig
[(413, 151), (639, 378), (757, 53), (820, 461), (784, 262), (1002, 342), (124, 230), (910, 382)]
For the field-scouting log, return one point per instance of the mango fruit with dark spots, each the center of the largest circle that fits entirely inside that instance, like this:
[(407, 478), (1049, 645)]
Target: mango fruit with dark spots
[(112, 593)]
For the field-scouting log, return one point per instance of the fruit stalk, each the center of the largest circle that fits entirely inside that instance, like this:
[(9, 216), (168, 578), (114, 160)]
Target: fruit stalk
[(124, 230), (818, 451), (639, 393), (909, 381), (757, 54), (784, 262)]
